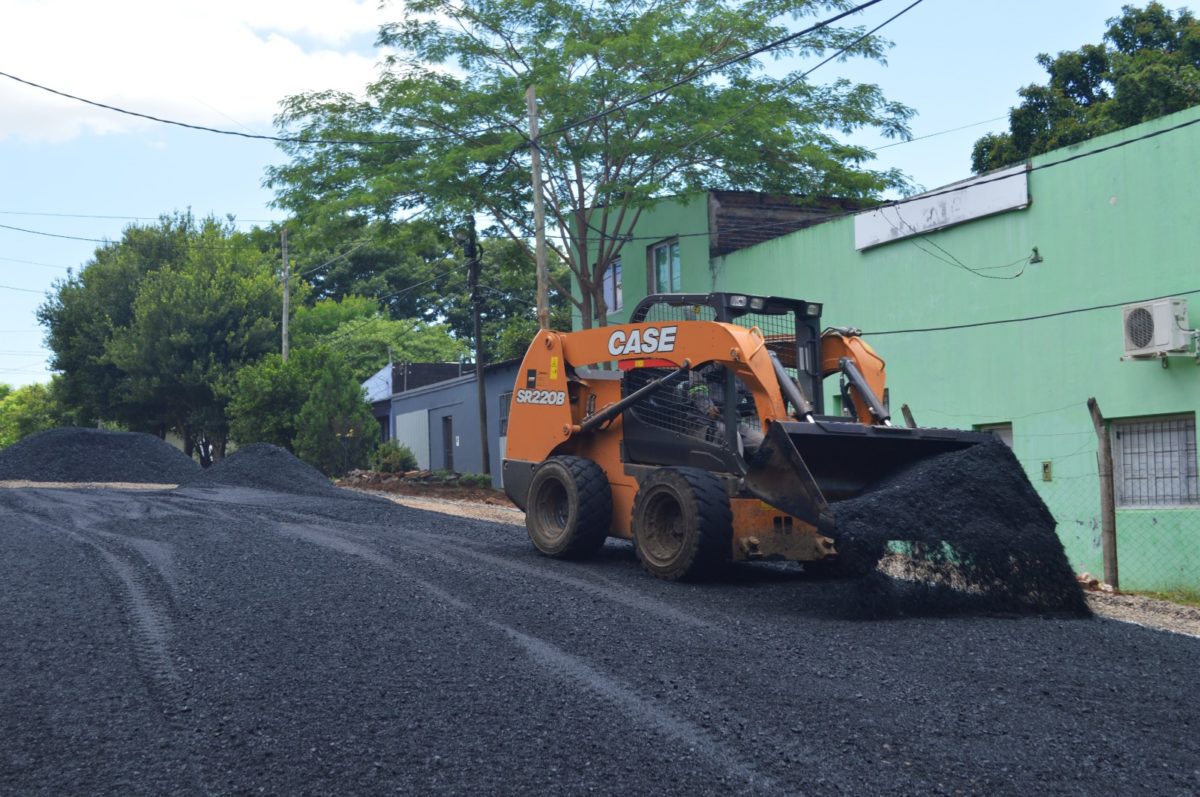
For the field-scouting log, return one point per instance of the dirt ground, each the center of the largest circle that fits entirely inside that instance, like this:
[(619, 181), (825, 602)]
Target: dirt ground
[(484, 504)]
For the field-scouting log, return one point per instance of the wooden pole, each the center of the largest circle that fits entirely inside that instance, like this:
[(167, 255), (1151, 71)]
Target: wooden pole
[(1108, 512), (539, 213), (287, 295)]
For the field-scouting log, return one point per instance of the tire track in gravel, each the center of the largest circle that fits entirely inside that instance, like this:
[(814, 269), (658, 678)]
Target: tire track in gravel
[(597, 586), (558, 663), (141, 574)]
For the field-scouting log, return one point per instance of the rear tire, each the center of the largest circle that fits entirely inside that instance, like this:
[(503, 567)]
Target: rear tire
[(569, 510), (682, 524)]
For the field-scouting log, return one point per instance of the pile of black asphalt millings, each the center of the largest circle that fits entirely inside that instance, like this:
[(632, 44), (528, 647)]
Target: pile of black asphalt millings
[(263, 466), (960, 532), (72, 454)]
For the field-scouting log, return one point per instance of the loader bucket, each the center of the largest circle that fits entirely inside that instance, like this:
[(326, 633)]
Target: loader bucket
[(802, 467)]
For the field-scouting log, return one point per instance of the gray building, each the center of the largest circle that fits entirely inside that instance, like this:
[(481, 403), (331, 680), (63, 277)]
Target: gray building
[(437, 414)]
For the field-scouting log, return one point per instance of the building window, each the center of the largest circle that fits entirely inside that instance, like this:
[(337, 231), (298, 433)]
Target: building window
[(1154, 462), (613, 295), (665, 274), (505, 402)]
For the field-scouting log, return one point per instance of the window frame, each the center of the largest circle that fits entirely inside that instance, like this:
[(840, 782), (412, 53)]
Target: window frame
[(1187, 483), (612, 284), (674, 265)]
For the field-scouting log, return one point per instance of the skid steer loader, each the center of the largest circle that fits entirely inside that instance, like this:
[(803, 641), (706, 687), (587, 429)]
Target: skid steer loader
[(699, 431)]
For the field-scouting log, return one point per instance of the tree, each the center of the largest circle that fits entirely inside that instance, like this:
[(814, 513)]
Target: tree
[(149, 334), (441, 129), (363, 344), (86, 309), (26, 410), (266, 397), (335, 428), (1148, 66)]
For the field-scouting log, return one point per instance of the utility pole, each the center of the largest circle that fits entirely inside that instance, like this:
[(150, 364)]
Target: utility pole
[(539, 213), (287, 295), (1108, 512), (473, 251)]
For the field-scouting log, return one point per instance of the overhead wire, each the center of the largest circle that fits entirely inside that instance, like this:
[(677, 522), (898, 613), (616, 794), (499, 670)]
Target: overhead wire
[(724, 64), (1039, 317), (242, 134), (787, 85)]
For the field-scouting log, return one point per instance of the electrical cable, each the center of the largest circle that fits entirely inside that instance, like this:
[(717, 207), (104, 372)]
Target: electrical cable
[(256, 136), (620, 106), (119, 218), (1022, 319), (939, 133), (787, 85)]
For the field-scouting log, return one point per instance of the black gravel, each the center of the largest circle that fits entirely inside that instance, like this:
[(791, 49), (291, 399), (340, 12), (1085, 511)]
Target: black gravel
[(972, 533), (236, 641), (265, 467), (74, 454)]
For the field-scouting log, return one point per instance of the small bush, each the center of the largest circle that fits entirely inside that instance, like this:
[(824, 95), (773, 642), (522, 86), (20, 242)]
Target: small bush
[(475, 480), (393, 457)]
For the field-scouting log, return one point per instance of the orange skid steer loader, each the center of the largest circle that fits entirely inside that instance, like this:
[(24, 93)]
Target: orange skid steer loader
[(698, 431)]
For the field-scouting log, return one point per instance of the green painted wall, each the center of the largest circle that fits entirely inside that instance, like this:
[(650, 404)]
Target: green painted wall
[(1115, 227), (685, 218)]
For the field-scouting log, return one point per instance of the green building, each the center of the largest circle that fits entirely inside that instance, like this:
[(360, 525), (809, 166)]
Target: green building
[(1004, 302)]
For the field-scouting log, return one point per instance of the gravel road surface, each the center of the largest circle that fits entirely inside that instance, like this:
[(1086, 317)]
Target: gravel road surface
[(231, 640)]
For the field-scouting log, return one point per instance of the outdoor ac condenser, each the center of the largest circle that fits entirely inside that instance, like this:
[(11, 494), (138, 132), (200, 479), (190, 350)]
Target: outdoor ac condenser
[(1156, 328)]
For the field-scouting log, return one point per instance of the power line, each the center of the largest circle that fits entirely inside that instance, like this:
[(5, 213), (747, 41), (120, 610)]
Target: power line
[(54, 234), (242, 134), (940, 192), (23, 290), (1030, 317), (728, 62), (118, 218), (939, 133), (35, 263), (783, 87)]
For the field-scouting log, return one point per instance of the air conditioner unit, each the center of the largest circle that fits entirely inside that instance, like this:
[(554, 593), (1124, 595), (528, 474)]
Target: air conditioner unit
[(1158, 328)]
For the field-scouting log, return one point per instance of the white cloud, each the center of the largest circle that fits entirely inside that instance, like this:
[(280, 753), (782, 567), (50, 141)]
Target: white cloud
[(219, 63)]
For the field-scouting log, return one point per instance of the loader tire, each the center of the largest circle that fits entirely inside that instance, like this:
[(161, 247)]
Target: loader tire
[(569, 510), (682, 524)]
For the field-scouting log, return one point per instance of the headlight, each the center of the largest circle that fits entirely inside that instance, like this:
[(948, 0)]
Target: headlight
[(813, 311), (757, 303), (737, 301)]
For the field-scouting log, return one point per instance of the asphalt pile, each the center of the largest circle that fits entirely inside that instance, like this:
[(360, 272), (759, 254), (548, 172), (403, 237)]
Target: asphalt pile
[(263, 466), (963, 531), (73, 454)]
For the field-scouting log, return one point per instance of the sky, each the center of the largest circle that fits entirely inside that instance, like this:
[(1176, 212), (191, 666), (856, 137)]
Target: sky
[(71, 171)]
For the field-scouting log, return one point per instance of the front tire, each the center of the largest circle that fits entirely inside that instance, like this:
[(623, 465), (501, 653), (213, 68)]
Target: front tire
[(569, 510), (682, 523)]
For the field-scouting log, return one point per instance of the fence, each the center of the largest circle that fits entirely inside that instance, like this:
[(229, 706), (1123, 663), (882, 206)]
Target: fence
[(1156, 494)]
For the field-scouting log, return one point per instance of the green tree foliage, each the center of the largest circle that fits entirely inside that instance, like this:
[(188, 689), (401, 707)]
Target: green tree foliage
[(442, 126), (363, 344), (150, 332), (335, 428), (266, 398), (85, 310), (1147, 66), (28, 409), (310, 324)]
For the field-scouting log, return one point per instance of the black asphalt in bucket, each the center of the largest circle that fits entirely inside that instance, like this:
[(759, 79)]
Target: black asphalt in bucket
[(959, 532)]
